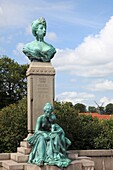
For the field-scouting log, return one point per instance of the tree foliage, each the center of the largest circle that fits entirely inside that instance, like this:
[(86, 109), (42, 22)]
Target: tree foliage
[(105, 138), (84, 131), (13, 84), (67, 119), (80, 107), (92, 109), (13, 126), (109, 108)]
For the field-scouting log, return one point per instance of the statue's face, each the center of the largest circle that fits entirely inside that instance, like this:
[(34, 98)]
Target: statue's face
[(48, 112), (41, 30)]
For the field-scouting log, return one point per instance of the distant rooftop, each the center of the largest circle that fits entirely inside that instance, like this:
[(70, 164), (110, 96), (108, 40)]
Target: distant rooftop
[(99, 116)]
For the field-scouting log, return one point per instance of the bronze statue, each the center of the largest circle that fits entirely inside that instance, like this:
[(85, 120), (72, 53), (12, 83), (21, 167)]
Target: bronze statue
[(39, 50), (48, 143)]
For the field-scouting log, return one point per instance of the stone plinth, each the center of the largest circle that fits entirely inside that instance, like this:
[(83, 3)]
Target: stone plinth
[(75, 165), (40, 90)]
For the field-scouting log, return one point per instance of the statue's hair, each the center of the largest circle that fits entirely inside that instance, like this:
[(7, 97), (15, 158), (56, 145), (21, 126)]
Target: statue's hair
[(48, 106), (36, 23)]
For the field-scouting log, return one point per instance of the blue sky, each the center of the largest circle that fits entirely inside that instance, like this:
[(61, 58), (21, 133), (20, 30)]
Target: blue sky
[(82, 33)]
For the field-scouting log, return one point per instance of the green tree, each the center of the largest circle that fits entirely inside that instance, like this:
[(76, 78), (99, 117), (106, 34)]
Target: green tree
[(13, 126), (80, 129), (109, 108), (92, 109), (84, 131), (67, 118), (105, 138), (13, 84), (80, 107)]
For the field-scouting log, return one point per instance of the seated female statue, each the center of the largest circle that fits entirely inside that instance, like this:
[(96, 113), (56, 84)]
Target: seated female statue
[(48, 142)]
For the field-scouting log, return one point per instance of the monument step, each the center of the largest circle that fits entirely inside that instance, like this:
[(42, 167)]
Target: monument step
[(4, 156), (75, 165), (2, 168), (72, 156), (82, 164), (19, 157), (24, 150), (35, 167), (24, 144), (12, 165)]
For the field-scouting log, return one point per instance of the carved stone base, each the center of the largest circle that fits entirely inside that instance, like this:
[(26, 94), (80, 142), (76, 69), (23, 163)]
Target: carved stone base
[(18, 161), (40, 90)]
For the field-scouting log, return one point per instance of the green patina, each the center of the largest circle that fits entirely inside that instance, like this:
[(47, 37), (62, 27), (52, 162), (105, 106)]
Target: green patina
[(39, 50), (48, 142)]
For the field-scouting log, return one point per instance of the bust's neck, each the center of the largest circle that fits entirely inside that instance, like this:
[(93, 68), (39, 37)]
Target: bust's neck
[(41, 39)]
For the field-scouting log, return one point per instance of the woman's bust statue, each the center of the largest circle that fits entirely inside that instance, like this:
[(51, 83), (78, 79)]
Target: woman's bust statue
[(39, 50)]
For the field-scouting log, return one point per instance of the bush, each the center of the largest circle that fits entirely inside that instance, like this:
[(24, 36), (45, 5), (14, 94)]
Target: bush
[(67, 119), (13, 126), (105, 138), (84, 131)]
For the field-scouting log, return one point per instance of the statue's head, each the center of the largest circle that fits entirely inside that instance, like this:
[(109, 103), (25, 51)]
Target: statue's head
[(48, 109), (39, 27)]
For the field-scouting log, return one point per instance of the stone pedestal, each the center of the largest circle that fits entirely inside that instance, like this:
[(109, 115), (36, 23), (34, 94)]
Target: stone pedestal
[(40, 90)]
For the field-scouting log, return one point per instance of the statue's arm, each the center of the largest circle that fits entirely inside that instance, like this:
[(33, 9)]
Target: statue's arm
[(51, 52), (57, 129), (47, 55), (38, 124)]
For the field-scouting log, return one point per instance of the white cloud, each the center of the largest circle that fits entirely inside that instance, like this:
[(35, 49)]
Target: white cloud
[(19, 53), (101, 85), (29, 30), (51, 36), (93, 57), (1, 11), (19, 13), (12, 14), (105, 100), (75, 97), (18, 50)]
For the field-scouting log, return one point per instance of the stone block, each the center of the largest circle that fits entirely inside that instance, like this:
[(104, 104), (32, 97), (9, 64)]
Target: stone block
[(72, 156), (2, 168), (33, 167), (4, 156), (19, 157), (75, 165), (97, 153), (87, 164), (23, 150), (40, 90), (12, 165), (83, 157), (24, 144)]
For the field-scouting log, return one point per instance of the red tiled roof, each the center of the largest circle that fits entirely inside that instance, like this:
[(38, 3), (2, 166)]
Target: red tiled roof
[(98, 115)]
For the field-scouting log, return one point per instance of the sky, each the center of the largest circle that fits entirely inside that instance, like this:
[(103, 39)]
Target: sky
[(82, 33)]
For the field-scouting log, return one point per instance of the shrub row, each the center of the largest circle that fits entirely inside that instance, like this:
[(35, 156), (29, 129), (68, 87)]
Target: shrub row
[(85, 132), (13, 126)]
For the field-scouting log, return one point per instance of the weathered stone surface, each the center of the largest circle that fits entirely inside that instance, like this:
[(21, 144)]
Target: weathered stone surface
[(40, 86), (24, 150), (2, 168), (72, 156), (12, 165), (96, 153), (4, 156), (75, 165), (19, 157), (103, 159), (24, 144)]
